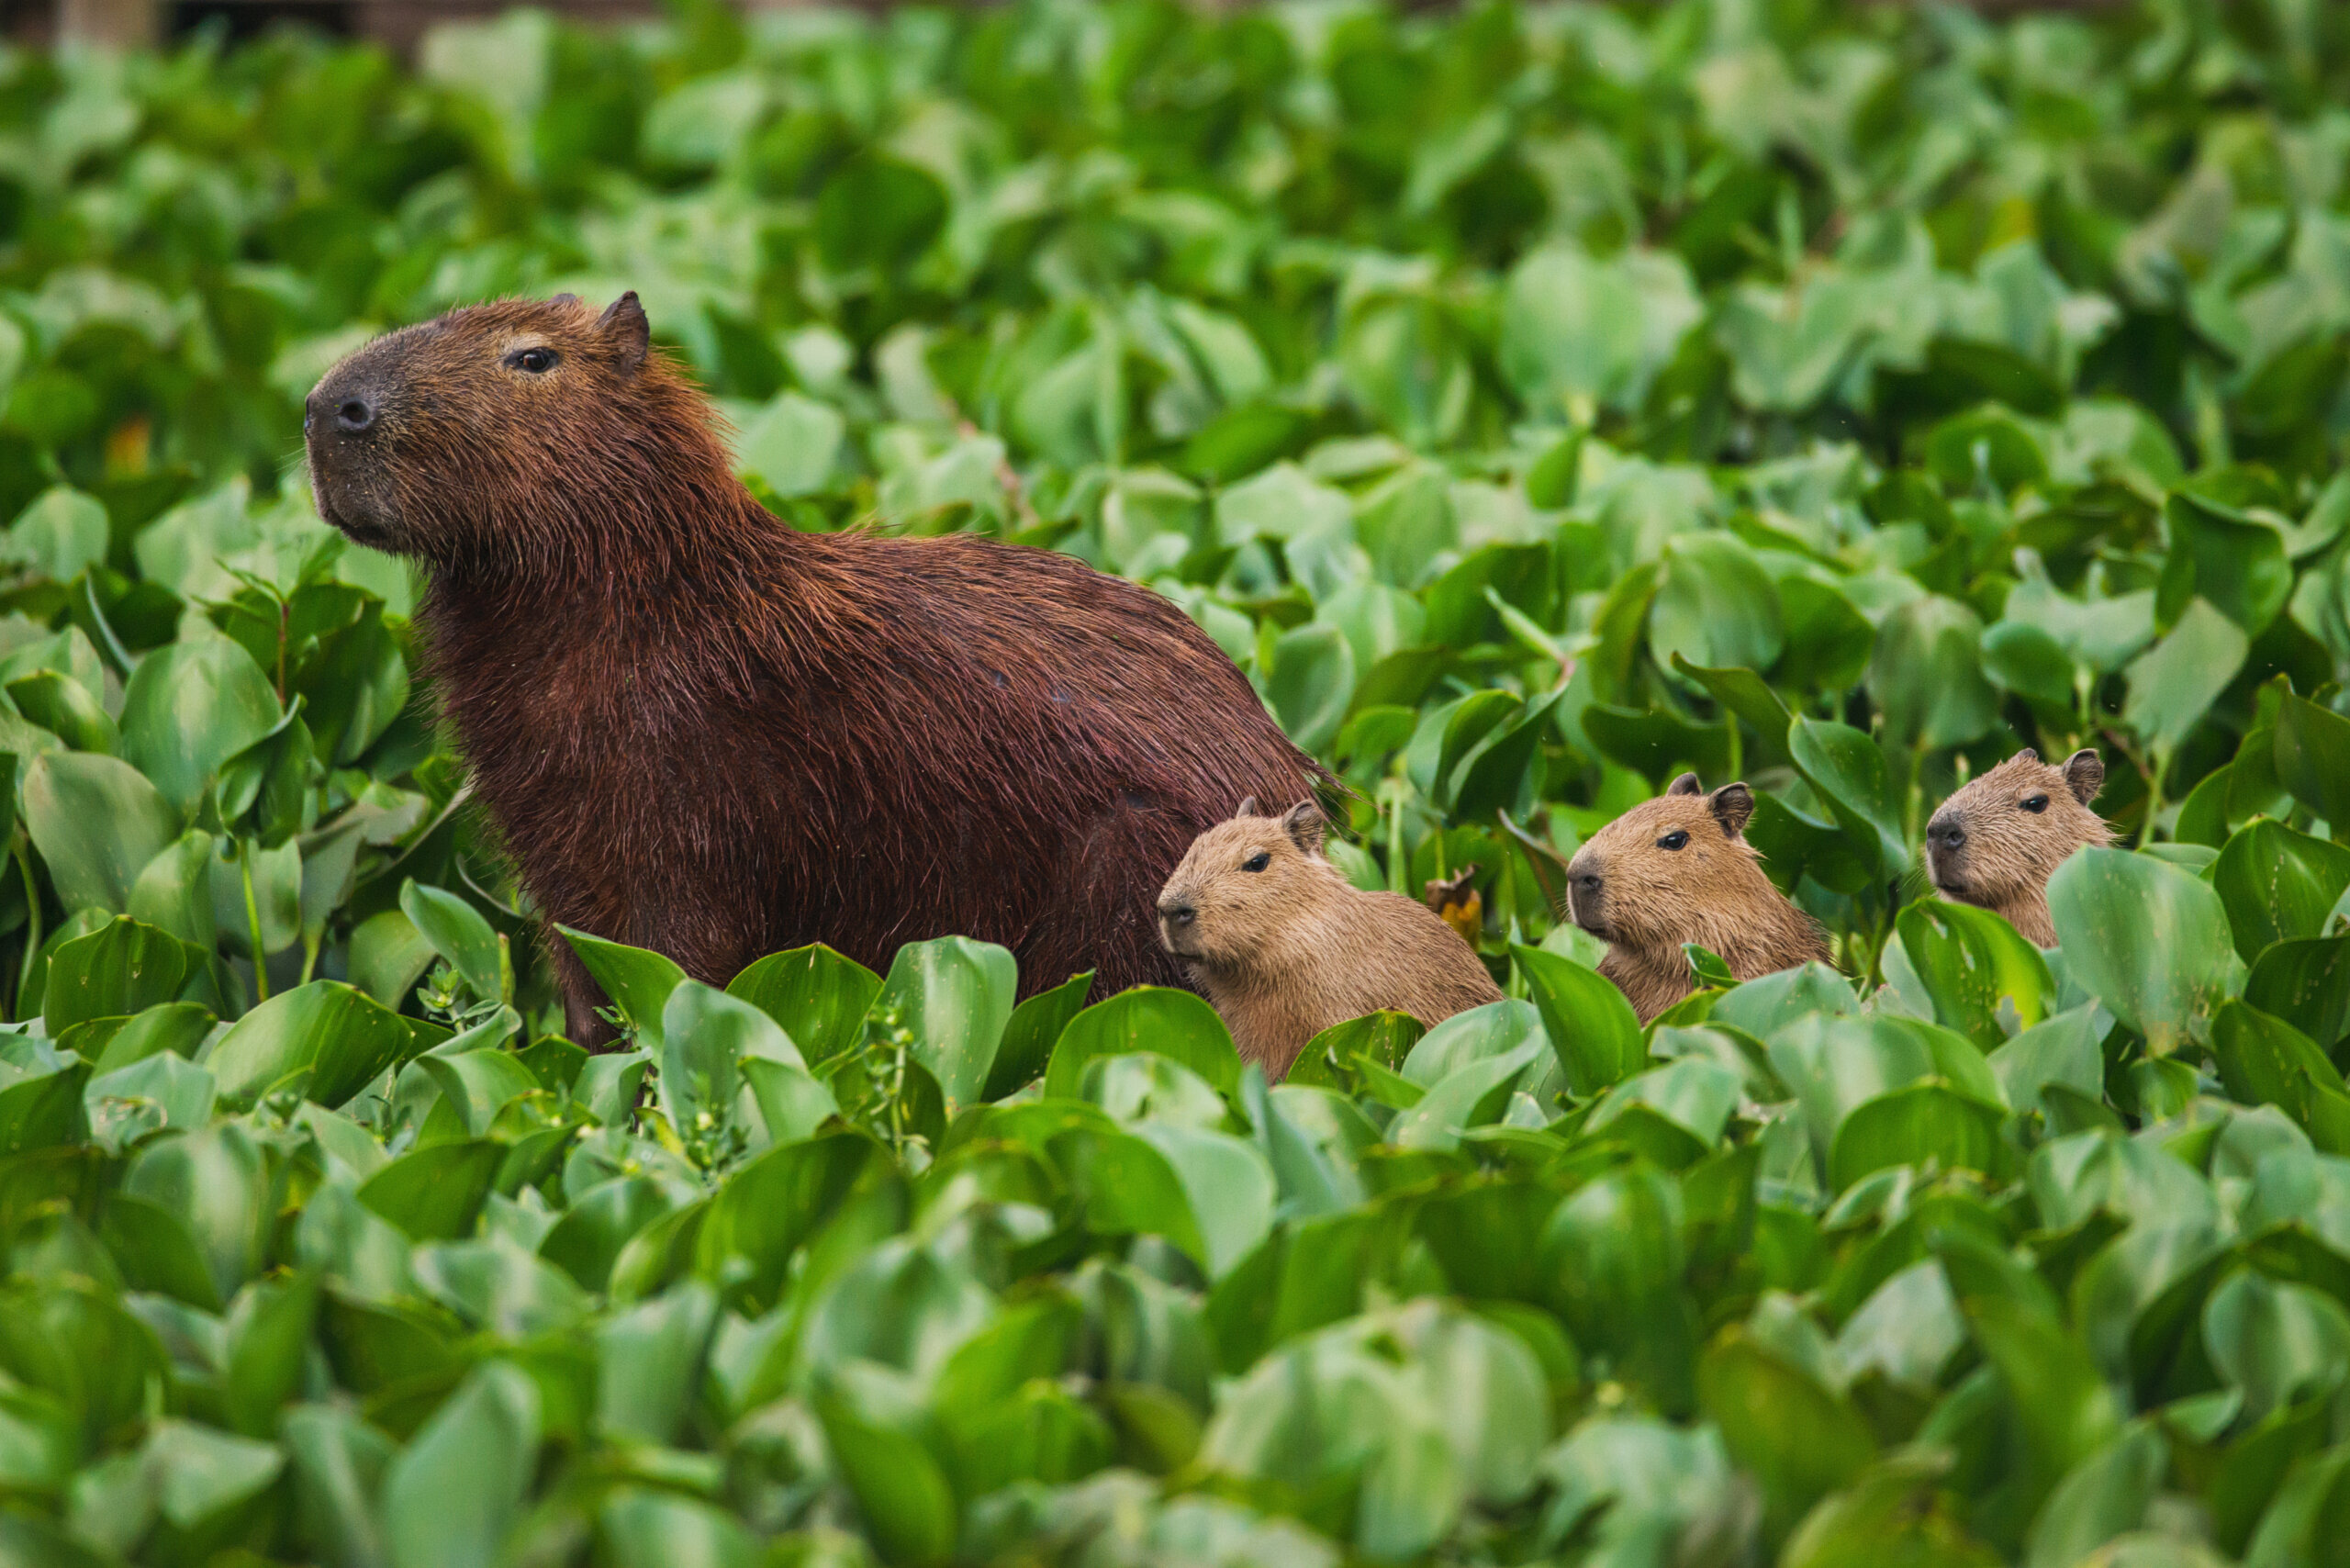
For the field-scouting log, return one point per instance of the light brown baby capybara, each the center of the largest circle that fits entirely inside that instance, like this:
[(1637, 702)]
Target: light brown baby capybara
[(1678, 869), (1996, 842), (1284, 946)]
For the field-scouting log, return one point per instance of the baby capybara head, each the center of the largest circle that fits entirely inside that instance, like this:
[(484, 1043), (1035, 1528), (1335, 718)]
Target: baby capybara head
[(491, 431), (1651, 877), (1241, 881), (1997, 840)]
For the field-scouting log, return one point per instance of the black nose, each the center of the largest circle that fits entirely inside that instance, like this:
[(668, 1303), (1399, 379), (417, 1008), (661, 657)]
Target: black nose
[(1177, 913), (1945, 834), (353, 416), (1588, 881)]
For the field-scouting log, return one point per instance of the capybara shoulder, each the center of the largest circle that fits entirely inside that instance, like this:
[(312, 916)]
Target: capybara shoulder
[(1997, 840), (1678, 869), (1286, 947)]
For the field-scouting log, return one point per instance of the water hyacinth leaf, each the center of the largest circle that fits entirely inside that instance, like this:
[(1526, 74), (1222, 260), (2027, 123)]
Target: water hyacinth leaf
[(2173, 683), (120, 969), (1030, 1034), (1311, 682), (1715, 606), (175, 892), (2147, 939), (2233, 560), (216, 1180), (61, 535), (1848, 770), (1920, 1124), (64, 707), (1926, 675), (330, 1038), (459, 934), (97, 822), (453, 1493), (2312, 755), (1799, 1439), (819, 997), (637, 981), (190, 708), (2277, 885), (436, 1193), (388, 956), (1592, 1028), (953, 996), (642, 1528), (907, 1504), (2307, 983), (2100, 1499), (2025, 659), (479, 1083), (1986, 981), (1469, 1096), (1175, 1024)]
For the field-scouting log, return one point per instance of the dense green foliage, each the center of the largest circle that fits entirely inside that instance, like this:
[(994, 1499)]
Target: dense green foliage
[(1535, 403)]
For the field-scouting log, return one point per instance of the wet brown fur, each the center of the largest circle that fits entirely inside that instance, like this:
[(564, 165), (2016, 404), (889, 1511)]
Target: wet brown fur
[(2005, 853), (1286, 952), (703, 732), (1646, 900)]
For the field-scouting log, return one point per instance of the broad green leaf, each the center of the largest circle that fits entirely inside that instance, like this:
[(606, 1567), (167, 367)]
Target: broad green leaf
[(324, 1038), (1175, 1024), (2175, 682), (97, 822), (1848, 770), (459, 934), (819, 997), (1927, 675), (120, 969), (1986, 981), (637, 981), (951, 997), (2277, 884), (1031, 1032), (2313, 752), (189, 708), (453, 1496), (2147, 939), (1592, 1028)]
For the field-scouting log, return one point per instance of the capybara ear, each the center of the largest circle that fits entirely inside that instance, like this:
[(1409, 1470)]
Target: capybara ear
[(2028, 754), (630, 334), (1685, 785), (2085, 774), (1732, 804), (1246, 808), (1303, 823)]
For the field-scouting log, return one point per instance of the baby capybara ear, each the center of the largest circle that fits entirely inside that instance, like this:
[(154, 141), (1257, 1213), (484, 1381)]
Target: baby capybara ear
[(1732, 804), (624, 325), (2085, 774), (1303, 823), (1685, 785), (1246, 808)]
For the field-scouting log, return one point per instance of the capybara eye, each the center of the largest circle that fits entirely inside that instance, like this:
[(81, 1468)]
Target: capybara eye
[(538, 362), (1676, 839), (1256, 862), (2036, 803)]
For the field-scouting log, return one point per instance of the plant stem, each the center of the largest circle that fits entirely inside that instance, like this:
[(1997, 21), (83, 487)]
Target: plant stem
[(253, 916), (33, 927)]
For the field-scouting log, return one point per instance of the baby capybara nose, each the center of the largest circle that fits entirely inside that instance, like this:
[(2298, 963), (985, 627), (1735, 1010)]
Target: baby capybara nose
[(1177, 914), (1944, 834)]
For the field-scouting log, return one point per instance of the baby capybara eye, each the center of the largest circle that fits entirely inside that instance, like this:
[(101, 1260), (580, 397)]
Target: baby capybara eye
[(538, 362)]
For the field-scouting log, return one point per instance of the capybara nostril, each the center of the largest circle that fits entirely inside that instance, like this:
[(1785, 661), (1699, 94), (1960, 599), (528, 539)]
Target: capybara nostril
[(354, 417), (1177, 913), (1945, 834)]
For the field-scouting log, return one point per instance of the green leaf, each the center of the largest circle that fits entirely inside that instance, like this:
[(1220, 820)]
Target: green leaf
[(97, 822), (1714, 606), (2277, 884), (2147, 939), (877, 211), (61, 535), (2313, 759), (2175, 682), (954, 995), (190, 707), (819, 997), (2220, 555), (324, 1038), (452, 1497), (1986, 981), (907, 1506), (64, 707), (637, 981), (1799, 1439), (646, 1528), (459, 934), (1914, 1125), (1925, 675), (120, 969), (1592, 1028), (792, 447), (436, 1193), (649, 1363), (1848, 771), (1029, 1034), (1175, 1024), (1309, 682)]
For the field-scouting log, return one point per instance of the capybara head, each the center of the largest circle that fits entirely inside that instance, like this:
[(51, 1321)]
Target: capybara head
[(449, 440), (1242, 881), (1646, 879), (1997, 840)]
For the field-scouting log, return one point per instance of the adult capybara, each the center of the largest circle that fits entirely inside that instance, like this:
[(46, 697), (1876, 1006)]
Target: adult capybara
[(703, 732), (1284, 946), (2000, 837), (1678, 869)]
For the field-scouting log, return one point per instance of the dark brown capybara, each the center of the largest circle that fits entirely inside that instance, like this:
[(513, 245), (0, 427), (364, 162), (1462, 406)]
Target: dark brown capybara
[(701, 731)]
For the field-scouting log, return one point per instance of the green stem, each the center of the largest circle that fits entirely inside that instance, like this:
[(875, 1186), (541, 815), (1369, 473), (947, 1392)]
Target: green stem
[(310, 944), (252, 917), (32, 926), (2156, 778)]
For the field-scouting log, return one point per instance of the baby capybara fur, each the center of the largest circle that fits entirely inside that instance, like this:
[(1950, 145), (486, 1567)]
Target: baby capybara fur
[(1997, 840), (703, 732), (1284, 946), (1678, 869)]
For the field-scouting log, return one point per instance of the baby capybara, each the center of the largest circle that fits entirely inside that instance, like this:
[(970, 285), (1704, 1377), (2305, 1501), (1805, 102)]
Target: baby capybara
[(2000, 838), (703, 732), (1286, 947), (1678, 869)]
